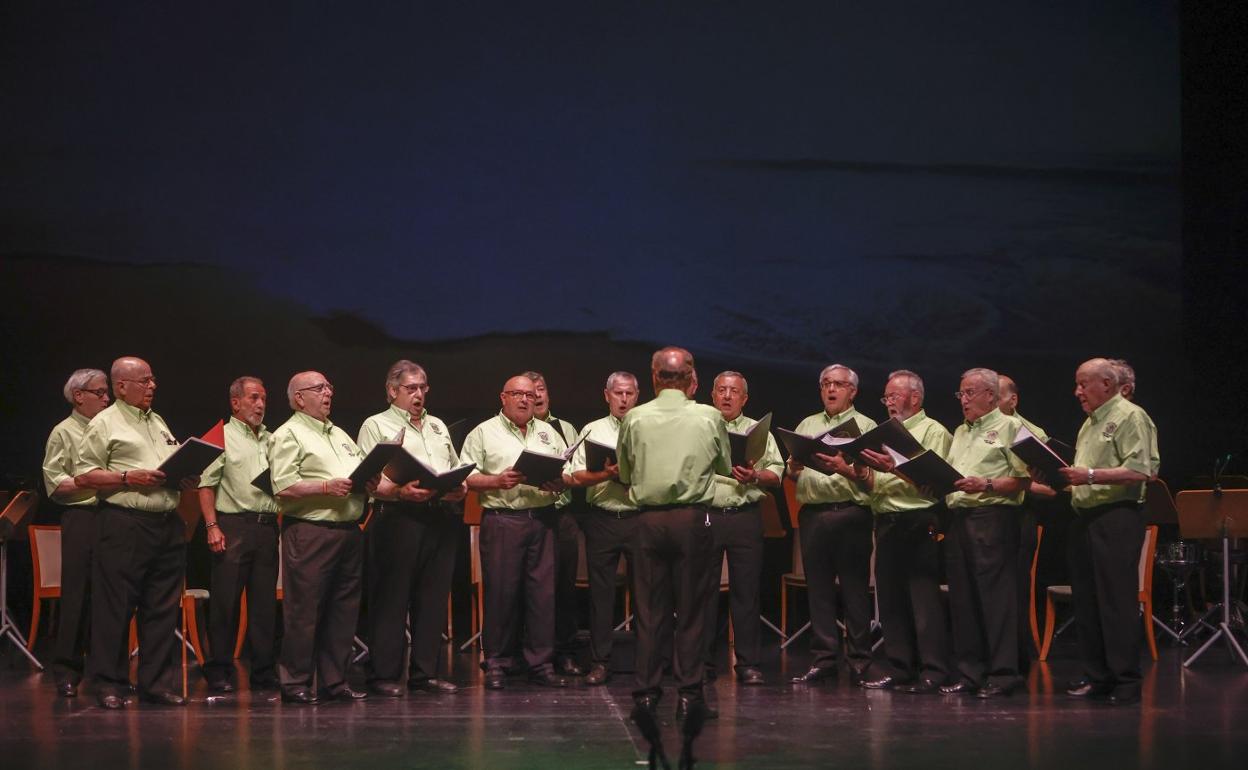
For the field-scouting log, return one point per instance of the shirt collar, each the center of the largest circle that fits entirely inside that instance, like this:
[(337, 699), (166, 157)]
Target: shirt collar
[(79, 417), (842, 415), (245, 428), (913, 420), (511, 426), (1104, 409), (987, 418), (734, 424), (405, 416), (671, 394), (315, 424), (133, 412)]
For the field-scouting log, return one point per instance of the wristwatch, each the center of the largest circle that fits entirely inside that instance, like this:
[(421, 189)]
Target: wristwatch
[(987, 485)]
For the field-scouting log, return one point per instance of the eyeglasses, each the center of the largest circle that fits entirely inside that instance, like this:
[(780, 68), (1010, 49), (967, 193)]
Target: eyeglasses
[(890, 398), (968, 394), (320, 387), (520, 394), (97, 392), (145, 381), (836, 384), (417, 387)]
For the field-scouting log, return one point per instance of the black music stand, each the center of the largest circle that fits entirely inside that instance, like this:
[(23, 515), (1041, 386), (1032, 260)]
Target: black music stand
[(1219, 514), (13, 523)]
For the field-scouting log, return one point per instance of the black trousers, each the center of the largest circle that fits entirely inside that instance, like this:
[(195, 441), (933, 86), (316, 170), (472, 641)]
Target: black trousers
[(1104, 555), (518, 578), (981, 563), (907, 585), (566, 563), (671, 562), (139, 567), (322, 564), (608, 536), (411, 557), (836, 543), (249, 562), (78, 536), (739, 534)]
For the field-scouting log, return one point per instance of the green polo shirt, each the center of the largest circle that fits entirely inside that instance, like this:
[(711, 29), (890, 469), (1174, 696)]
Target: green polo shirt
[(1118, 434), (496, 444), (60, 458), (609, 495), (246, 456), (730, 493), (818, 487), (1154, 455), (893, 494), (570, 436), (123, 438), (430, 443), (670, 450), (982, 448), (306, 449)]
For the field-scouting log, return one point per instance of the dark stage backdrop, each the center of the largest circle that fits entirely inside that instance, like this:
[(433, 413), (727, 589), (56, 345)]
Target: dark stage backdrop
[(487, 188)]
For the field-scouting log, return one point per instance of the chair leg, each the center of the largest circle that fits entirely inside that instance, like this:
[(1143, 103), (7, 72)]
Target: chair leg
[(784, 610), (1035, 624), (134, 636), (1050, 621), (34, 623), (450, 618), (1149, 633), (192, 627), (242, 625)]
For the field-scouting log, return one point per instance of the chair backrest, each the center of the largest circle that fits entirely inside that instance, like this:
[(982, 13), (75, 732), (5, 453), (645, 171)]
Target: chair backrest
[(799, 569), (279, 562), (1147, 551), (1159, 503), (474, 554), (723, 574), (790, 499), (472, 509), (45, 553)]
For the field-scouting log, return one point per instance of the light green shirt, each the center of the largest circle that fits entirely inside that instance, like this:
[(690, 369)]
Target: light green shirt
[(246, 456), (893, 494), (1154, 455), (430, 443), (123, 438), (570, 436), (496, 444), (670, 449), (818, 487), (1118, 434), (982, 448), (610, 495), (306, 449), (60, 458), (730, 493)]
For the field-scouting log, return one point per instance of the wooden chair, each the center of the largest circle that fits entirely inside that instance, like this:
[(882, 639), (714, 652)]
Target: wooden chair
[(190, 621), (45, 555), (797, 577), (1031, 604), (1144, 596)]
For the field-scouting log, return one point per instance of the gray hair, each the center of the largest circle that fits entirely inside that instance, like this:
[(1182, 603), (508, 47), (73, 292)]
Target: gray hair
[(617, 376), (79, 380), (236, 387), (745, 384), (535, 376), (397, 370), (1126, 374), (913, 381), (990, 379), (673, 367), (853, 376), (1104, 367)]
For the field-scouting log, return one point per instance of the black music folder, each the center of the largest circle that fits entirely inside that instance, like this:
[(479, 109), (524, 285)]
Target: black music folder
[(539, 468), (1039, 456), (749, 446), (597, 455), (404, 468), (264, 482), (375, 461), (891, 432), (190, 459), (803, 447), (926, 469)]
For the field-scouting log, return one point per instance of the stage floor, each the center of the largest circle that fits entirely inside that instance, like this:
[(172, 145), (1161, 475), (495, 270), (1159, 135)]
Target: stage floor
[(1196, 718)]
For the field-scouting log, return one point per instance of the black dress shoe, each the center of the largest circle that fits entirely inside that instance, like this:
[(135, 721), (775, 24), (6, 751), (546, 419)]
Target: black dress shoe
[(918, 687), (598, 674), (109, 700), (495, 679), (815, 674), (347, 694), (568, 667), (709, 673), (993, 691), (962, 687), (67, 690), (303, 697), (883, 683), (547, 679), (435, 686), (385, 689), (750, 676), (265, 683), (163, 698), (1082, 688), (684, 703), (224, 685), (1124, 696)]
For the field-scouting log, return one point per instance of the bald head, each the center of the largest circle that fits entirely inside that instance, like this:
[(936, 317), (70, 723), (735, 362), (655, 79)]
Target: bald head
[(311, 393), (1007, 398), (518, 398), (672, 367), (133, 381)]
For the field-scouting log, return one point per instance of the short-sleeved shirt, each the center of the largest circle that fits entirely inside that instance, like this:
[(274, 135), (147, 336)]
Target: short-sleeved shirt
[(891, 493), (124, 438), (1118, 434), (609, 495), (982, 448), (730, 493), (814, 487), (570, 436), (496, 444), (246, 457), (1036, 430), (430, 443), (60, 459), (306, 449), (671, 449)]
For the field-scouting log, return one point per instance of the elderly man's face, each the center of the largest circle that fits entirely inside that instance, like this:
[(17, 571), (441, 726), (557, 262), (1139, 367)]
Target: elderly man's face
[(837, 390), (1092, 389), (249, 407), (92, 399), (901, 400), (621, 397), (518, 396), (730, 396), (314, 396), (541, 402), (1008, 400), (138, 386), (976, 398), (410, 393)]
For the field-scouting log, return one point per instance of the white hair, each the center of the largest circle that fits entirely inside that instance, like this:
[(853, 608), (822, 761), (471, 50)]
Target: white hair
[(853, 376), (617, 376), (990, 379), (79, 380), (745, 384), (913, 381)]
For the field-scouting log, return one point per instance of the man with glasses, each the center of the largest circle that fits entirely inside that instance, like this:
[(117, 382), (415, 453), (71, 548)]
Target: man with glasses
[(322, 546), (1114, 458), (86, 390), (517, 537), (241, 522), (140, 556), (835, 524), (411, 541), (737, 526), (981, 545), (907, 570)]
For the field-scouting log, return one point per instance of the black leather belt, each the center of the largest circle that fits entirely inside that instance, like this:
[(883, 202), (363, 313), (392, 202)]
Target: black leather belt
[(391, 506), (267, 519), (674, 506), (613, 514), (532, 513), (1107, 507), (139, 512), (290, 521), (737, 509), (891, 516), (839, 506)]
